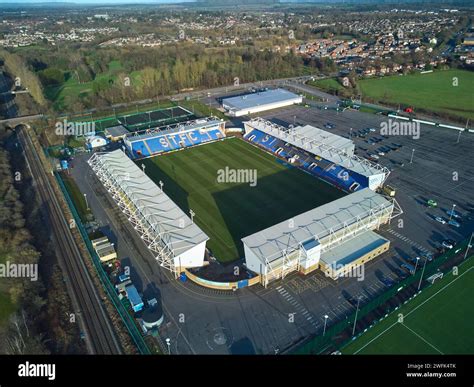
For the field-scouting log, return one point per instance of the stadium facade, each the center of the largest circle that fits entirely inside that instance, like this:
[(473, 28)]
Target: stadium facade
[(175, 240), (335, 237), (260, 101), (161, 140), (326, 156)]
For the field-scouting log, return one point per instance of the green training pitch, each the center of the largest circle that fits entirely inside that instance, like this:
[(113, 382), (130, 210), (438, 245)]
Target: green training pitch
[(447, 91), (438, 320), (227, 211)]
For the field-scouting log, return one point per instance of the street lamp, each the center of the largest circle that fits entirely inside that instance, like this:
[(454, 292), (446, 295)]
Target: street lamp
[(452, 212), (355, 319), (416, 264), (85, 198), (325, 323), (168, 343), (412, 153), (422, 272), (468, 245)]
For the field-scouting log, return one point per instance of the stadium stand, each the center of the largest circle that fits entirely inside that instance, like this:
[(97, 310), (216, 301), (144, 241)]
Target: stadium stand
[(325, 156), (185, 135), (331, 172)]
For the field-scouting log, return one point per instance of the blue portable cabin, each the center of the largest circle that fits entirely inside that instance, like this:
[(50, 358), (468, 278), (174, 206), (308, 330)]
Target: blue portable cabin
[(134, 298)]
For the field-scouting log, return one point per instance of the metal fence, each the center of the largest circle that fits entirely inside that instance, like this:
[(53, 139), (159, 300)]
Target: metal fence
[(127, 319)]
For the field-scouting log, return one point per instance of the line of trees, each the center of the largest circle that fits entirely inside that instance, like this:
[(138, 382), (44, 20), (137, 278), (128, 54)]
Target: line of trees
[(39, 321)]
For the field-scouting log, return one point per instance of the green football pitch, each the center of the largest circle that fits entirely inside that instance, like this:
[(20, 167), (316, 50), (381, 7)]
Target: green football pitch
[(437, 321), (228, 211)]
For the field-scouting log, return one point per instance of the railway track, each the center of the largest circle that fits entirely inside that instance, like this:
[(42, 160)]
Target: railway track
[(90, 311)]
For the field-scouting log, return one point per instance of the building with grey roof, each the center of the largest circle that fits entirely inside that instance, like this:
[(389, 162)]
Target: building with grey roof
[(260, 101)]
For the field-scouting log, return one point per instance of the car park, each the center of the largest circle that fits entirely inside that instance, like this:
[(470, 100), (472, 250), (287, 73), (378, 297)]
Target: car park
[(402, 274), (427, 255), (448, 243), (454, 214), (387, 281), (408, 268)]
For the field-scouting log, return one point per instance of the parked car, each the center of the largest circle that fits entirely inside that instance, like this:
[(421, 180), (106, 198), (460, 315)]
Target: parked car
[(431, 203), (454, 214), (448, 243), (427, 255), (375, 157), (387, 281), (408, 268), (452, 222), (440, 219)]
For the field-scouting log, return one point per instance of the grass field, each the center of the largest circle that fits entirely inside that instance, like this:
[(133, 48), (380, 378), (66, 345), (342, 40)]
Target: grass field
[(432, 92), (439, 320), (330, 85), (228, 212), (72, 86)]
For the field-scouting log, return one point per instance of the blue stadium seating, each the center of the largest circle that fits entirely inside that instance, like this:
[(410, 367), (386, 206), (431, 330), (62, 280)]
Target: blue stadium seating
[(317, 166), (160, 143)]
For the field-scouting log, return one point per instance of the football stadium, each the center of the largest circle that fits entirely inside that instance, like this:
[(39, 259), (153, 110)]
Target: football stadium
[(281, 199)]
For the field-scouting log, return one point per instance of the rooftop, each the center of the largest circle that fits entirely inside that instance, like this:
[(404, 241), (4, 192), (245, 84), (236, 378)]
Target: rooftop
[(117, 131), (316, 147), (165, 218), (352, 250), (251, 100), (324, 137), (181, 127), (319, 222)]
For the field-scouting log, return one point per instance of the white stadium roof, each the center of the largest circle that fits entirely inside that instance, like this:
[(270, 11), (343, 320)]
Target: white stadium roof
[(269, 244), (324, 137), (201, 123), (161, 214), (316, 147)]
